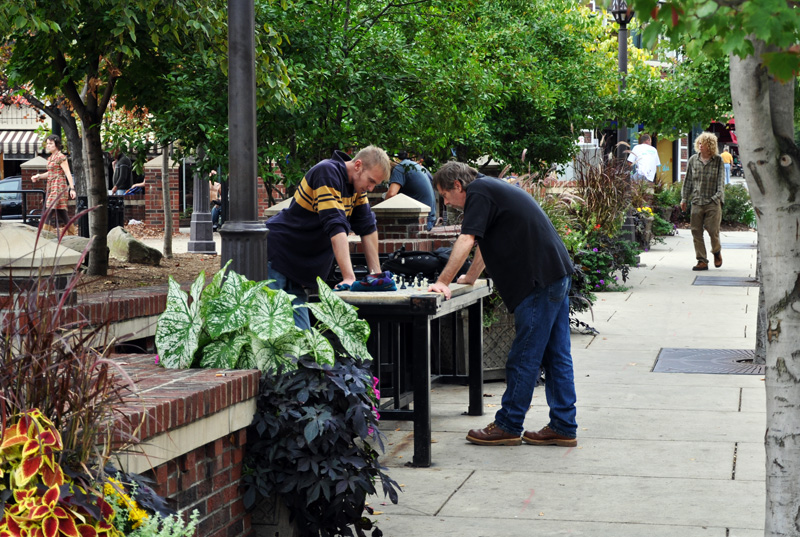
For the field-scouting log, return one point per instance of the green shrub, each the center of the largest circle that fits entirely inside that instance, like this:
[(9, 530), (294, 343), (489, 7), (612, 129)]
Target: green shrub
[(667, 196), (602, 258), (661, 227), (738, 208), (311, 443)]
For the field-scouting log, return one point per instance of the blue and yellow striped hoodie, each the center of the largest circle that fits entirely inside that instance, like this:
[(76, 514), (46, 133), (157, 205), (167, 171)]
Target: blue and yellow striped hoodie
[(299, 240)]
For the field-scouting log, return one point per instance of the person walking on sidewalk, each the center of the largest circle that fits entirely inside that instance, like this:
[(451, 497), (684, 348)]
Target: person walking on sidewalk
[(727, 159), (533, 278), (704, 186)]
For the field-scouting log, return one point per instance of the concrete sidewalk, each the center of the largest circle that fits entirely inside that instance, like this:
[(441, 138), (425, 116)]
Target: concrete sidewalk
[(659, 454)]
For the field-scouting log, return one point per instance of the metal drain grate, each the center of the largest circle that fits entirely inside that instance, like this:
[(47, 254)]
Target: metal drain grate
[(708, 361), (725, 281), (739, 246)]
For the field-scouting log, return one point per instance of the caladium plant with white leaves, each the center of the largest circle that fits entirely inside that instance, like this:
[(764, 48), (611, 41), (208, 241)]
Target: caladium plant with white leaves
[(235, 323)]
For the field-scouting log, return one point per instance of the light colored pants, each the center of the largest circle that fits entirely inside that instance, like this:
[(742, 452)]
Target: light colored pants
[(708, 217), (727, 174)]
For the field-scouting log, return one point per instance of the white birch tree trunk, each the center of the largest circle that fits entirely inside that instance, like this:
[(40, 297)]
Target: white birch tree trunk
[(764, 111)]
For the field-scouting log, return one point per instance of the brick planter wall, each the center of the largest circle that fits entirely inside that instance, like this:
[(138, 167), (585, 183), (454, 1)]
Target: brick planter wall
[(192, 426)]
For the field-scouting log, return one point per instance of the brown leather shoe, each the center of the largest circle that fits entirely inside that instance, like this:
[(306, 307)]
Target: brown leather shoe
[(548, 437), (493, 435), (718, 259), (700, 266)]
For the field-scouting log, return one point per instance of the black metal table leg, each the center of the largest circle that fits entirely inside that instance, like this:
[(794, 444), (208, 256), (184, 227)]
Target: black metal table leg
[(421, 349), (475, 337)]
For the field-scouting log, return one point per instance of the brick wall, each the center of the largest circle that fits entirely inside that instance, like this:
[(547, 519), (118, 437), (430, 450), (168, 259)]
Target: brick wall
[(154, 197), (135, 207), (205, 477)]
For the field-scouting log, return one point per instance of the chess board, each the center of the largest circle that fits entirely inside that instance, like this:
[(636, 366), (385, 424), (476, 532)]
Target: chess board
[(401, 296)]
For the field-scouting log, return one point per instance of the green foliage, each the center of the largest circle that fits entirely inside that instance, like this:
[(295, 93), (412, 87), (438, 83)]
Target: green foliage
[(131, 520), (688, 93), (661, 227), (716, 29), (553, 80), (242, 324), (310, 444), (737, 207), (604, 257), (667, 197)]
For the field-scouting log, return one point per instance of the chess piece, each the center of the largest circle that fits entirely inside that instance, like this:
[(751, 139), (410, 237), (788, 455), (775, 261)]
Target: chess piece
[(402, 282)]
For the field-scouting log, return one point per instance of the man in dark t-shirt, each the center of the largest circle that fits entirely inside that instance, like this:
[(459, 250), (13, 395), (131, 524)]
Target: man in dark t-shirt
[(522, 252)]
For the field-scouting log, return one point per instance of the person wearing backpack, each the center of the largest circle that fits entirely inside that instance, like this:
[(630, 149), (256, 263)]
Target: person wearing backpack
[(532, 270), (414, 181)]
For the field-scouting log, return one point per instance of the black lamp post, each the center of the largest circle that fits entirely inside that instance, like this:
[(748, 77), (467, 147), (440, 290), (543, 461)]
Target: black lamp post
[(244, 238), (623, 15)]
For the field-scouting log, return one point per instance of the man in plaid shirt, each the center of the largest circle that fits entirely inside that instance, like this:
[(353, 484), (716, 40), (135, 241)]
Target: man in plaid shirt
[(704, 187)]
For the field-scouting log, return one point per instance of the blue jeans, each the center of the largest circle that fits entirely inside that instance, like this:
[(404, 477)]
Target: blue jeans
[(542, 340), (727, 174), (301, 318)]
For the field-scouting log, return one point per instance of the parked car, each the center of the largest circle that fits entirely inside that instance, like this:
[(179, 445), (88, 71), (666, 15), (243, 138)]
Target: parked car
[(11, 201)]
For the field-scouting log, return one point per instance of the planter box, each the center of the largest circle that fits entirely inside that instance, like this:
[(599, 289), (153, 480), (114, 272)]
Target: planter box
[(271, 519)]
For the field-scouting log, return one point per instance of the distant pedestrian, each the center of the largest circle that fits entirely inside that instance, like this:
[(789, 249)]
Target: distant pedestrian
[(532, 269), (645, 159), (727, 159), (704, 187), (60, 185), (122, 172)]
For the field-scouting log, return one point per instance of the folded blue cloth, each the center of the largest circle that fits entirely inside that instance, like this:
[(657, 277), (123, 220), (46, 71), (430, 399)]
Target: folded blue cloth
[(382, 281), (342, 287)]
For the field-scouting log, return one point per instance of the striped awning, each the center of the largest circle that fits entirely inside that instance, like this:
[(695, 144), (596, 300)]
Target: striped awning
[(19, 145)]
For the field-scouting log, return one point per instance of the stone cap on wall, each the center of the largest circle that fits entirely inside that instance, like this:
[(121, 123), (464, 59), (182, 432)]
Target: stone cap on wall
[(21, 251), (156, 163), (34, 163), (174, 411), (278, 207), (400, 206)]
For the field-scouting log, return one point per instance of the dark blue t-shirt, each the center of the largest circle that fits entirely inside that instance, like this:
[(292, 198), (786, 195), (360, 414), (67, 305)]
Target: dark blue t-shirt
[(415, 183), (519, 244)]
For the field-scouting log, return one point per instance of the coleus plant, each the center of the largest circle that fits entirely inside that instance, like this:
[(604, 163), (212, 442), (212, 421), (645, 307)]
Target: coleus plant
[(236, 323), (38, 498)]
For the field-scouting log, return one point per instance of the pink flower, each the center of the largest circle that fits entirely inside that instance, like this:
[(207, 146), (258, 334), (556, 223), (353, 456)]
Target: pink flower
[(157, 359)]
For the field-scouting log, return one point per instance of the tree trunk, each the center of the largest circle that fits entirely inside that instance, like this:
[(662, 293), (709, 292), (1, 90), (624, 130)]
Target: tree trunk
[(764, 111), (167, 204), (75, 143), (98, 197), (761, 321)]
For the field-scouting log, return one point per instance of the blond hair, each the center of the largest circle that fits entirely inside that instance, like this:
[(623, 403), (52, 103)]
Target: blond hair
[(709, 141), (372, 157)]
